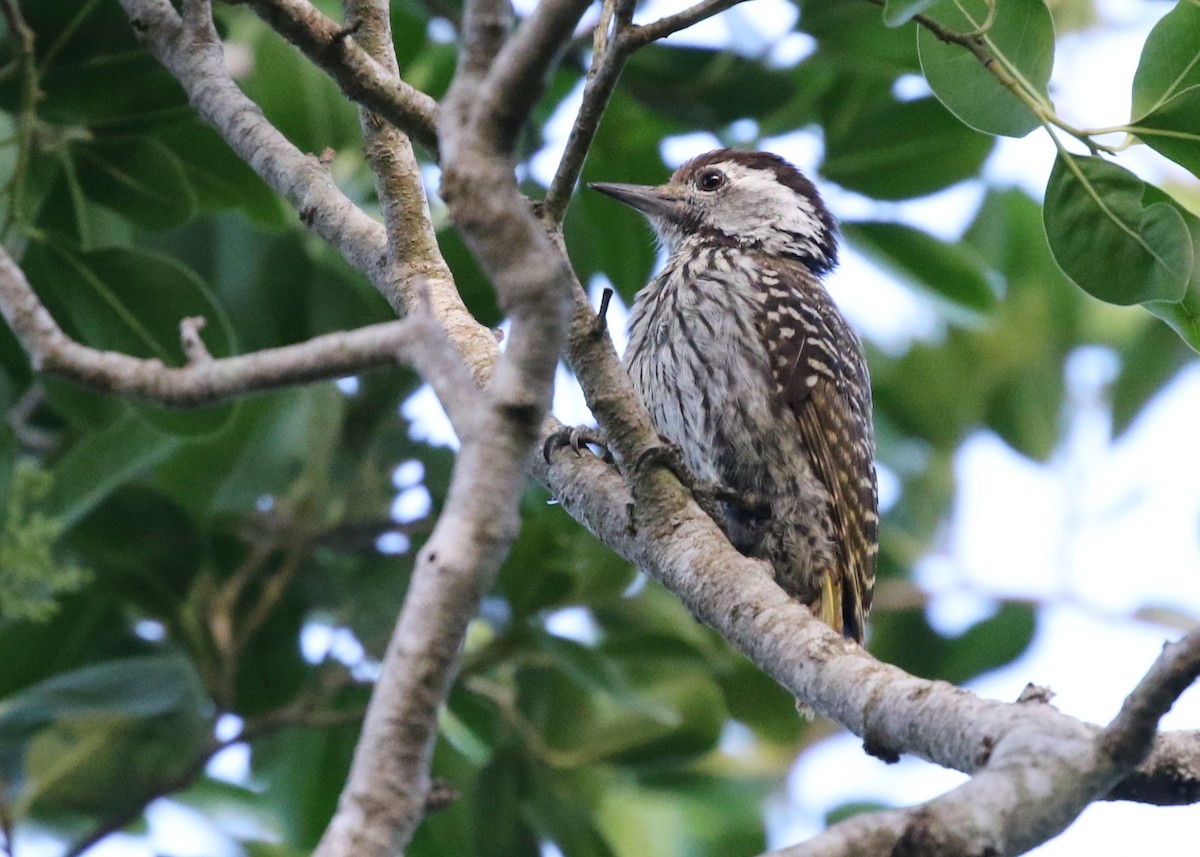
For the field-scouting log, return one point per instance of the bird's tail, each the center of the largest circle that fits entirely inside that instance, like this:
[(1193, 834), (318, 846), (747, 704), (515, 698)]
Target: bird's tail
[(831, 601), (840, 609)]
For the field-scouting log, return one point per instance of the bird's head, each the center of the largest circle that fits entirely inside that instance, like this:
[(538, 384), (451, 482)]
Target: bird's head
[(753, 200)]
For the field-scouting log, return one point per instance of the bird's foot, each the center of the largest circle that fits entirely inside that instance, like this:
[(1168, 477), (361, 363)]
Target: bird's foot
[(578, 438), (710, 495)]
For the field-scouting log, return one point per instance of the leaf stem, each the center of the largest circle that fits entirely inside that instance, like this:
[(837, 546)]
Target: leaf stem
[(1005, 71)]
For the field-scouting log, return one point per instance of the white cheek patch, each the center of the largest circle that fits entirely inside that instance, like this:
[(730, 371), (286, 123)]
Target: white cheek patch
[(762, 207)]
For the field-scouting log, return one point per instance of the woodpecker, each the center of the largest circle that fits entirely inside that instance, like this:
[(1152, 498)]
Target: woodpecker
[(748, 369)]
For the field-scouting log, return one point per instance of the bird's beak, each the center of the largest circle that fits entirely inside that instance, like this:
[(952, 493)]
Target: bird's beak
[(658, 203)]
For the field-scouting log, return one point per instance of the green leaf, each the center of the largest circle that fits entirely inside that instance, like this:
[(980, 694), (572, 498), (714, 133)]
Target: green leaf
[(1148, 362), (951, 271), (557, 813), (137, 177), (755, 699), (1108, 240), (104, 738), (1173, 129), (261, 453), (500, 830), (573, 567), (850, 40), (890, 149), (1183, 316), (131, 301), (299, 99), (1170, 61), (219, 178), (702, 88), (1020, 38), (912, 645), (899, 12), (102, 461), (113, 88), (143, 548)]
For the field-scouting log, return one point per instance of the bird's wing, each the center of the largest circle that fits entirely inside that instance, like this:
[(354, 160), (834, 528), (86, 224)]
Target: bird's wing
[(822, 376)]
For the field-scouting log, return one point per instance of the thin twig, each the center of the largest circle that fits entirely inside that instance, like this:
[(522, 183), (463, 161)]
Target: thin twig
[(601, 323), (611, 49), (26, 118), (19, 421), (362, 78), (663, 27), (1130, 736), (190, 340), (616, 39)]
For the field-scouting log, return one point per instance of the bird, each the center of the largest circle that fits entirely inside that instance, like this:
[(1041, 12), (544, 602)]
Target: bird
[(753, 377)]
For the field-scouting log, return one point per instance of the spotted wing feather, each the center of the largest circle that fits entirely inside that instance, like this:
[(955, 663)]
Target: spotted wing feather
[(821, 375)]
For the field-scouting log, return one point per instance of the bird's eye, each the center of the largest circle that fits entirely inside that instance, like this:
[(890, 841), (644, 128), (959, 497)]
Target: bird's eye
[(710, 180)]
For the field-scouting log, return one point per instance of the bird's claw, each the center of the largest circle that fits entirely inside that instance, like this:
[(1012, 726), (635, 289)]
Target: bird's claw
[(578, 438), (667, 455), (709, 495)]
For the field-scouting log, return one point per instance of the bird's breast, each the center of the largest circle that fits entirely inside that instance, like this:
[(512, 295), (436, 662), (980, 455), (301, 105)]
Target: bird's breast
[(698, 362)]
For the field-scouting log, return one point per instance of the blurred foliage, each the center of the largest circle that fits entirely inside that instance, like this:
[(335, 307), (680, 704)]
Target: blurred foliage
[(219, 540), (30, 579)]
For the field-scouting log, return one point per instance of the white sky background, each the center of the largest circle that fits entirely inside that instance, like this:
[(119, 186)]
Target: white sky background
[(1104, 528)]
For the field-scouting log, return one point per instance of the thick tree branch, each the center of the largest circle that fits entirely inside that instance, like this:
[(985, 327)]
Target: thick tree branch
[(1036, 767), (389, 783), (387, 791), (486, 25), (1170, 775), (412, 243), (335, 49), (203, 382)]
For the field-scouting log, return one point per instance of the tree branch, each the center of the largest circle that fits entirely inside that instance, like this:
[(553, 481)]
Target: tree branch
[(363, 80), (201, 383), (387, 792), (194, 56), (610, 50), (1170, 775), (671, 24), (616, 39), (1047, 764), (518, 76), (1130, 736), (485, 26)]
